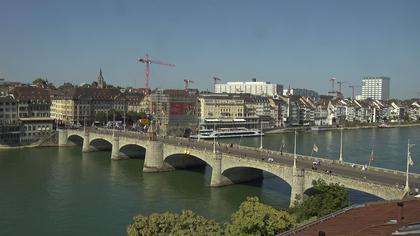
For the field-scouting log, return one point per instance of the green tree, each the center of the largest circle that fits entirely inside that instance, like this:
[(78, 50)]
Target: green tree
[(325, 199), (39, 82), (132, 117), (101, 117), (255, 218), (187, 223)]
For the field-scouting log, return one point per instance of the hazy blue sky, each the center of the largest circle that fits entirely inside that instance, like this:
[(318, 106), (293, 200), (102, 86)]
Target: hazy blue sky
[(302, 43)]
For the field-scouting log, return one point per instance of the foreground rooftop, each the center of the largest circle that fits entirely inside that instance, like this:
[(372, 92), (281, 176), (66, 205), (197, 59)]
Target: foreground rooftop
[(380, 218)]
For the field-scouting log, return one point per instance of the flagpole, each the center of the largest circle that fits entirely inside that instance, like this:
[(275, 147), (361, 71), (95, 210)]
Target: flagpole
[(370, 158), (341, 145), (407, 188), (214, 138)]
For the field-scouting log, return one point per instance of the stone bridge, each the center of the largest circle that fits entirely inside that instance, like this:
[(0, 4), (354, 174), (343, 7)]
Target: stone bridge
[(231, 165)]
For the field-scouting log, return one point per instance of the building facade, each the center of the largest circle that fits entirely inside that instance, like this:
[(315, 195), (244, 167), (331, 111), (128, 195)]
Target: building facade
[(376, 87), (79, 105), (174, 111), (24, 116), (254, 87), (223, 110)]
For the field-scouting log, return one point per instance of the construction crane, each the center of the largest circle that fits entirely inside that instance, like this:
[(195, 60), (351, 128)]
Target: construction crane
[(353, 87), (146, 60), (216, 79), (339, 85), (332, 83), (187, 83)]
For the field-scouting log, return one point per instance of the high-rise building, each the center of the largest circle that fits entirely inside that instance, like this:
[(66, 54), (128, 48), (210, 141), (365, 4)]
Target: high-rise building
[(254, 87), (375, 87)]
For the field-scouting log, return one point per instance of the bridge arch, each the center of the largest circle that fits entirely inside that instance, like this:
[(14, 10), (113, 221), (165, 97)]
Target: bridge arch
[(172, 151), (132, 150), (366, 187), (75, 139), (100, 144), (185, 160), (355, 196), (282, 172)]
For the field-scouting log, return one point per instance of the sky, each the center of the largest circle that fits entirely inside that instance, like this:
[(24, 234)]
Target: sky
[(301, 43)]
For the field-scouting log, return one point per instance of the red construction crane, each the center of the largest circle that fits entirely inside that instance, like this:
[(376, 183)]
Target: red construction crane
[(187, 83), (339, 85), (353, 87), (216, 79), (146, 60), (332, 83)]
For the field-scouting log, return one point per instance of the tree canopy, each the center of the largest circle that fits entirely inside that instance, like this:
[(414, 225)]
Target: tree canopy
[(256, 218), (325, 199), (187, 223), (101, 117), (252, 217)]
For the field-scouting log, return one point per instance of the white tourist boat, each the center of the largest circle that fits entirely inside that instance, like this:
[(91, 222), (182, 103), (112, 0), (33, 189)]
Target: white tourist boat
[(227, 133)]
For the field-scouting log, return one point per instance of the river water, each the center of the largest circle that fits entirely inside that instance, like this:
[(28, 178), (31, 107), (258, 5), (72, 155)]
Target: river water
[(62, 191)]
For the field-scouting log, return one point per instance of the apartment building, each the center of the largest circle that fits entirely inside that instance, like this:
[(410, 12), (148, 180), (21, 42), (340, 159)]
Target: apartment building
[(254, 87), (376, 87), (79, 105)]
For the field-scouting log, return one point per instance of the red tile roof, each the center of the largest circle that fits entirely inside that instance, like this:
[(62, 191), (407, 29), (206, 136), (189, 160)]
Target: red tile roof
[(371, 219)]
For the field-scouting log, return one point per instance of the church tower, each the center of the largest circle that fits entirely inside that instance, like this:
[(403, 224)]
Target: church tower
[(101, 81)]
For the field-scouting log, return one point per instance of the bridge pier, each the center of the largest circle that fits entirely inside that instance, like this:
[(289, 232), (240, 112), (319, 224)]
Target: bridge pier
[(62, 137), (153, 161), (298, 186), (217, 179), (86, 141), (115, 153)]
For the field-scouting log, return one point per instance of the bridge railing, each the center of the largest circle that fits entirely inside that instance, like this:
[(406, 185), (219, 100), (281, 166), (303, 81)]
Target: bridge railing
[(141, 135), (222, 150), (332, 162)]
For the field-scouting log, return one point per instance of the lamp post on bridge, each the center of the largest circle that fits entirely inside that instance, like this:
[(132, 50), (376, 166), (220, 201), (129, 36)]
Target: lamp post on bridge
[(341, 145), (113, 125), (261, 135), (409, 163), (214, 138), (84, 125), (294, 152)]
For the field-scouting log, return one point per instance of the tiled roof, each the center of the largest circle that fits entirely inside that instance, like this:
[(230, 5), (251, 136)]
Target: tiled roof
[(382, 218), (30, 93), (92, 93)]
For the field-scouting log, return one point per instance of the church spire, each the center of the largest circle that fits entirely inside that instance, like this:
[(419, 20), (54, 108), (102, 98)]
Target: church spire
[(101, 81)]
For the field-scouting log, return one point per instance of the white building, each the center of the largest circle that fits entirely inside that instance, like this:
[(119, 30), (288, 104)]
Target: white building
[(375, 87), (253, 87)]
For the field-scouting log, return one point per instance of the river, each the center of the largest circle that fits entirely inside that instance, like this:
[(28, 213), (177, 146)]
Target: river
[(62, 191)]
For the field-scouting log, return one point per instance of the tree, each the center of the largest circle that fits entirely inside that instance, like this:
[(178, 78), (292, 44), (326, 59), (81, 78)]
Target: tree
[(325, 199), (132, 117), (101, 117), (186, 223), (255, 218), (39, 82)]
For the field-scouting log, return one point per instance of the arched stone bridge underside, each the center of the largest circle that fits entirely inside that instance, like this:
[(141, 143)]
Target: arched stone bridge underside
[(227, 168)]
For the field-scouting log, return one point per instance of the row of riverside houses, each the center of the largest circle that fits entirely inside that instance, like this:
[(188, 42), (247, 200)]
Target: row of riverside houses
[(28, 113), (330, 111)]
